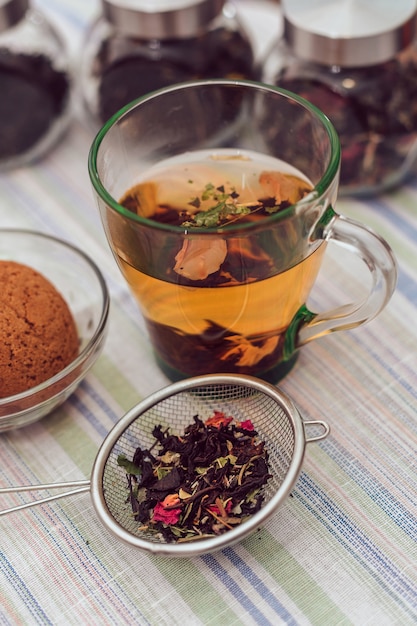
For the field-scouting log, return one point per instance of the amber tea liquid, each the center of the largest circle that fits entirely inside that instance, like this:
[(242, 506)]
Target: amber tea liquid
[(215, 301)]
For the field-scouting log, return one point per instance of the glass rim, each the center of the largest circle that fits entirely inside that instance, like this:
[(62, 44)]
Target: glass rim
[(317, 191)]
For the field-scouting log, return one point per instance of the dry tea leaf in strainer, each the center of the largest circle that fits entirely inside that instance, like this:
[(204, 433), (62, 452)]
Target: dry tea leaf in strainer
[(273, 414)]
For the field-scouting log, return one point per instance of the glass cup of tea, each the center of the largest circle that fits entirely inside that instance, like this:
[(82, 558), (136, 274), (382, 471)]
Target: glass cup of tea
[(217, 198)]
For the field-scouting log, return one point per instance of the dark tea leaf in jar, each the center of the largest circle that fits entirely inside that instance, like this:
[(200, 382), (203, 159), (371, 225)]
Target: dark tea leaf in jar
[(376, 119), (34, 96), (131, 68)]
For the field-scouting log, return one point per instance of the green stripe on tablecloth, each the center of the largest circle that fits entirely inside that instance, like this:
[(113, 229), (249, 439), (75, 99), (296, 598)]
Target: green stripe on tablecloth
[(193, 587), (295, 581), (76, 443), (118, 385), (72, 438)]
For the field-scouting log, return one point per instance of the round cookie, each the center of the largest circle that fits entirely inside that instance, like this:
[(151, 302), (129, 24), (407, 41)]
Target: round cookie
[(38, 335)]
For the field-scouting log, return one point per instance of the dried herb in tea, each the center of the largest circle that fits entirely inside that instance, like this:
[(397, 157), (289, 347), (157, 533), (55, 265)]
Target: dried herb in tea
[(201, 483)]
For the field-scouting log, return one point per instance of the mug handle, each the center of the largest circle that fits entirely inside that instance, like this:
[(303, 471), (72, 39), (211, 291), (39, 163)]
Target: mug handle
[(381, 263)]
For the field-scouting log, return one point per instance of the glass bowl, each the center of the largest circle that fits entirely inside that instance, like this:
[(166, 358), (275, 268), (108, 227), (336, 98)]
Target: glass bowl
[(81, 284)]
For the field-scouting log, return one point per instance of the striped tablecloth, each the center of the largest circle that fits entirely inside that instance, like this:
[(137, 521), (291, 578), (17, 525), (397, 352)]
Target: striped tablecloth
[(341, 550)]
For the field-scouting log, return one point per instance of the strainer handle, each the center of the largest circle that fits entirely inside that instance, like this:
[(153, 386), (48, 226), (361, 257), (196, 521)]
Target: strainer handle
[(82, 486), (323, 435)]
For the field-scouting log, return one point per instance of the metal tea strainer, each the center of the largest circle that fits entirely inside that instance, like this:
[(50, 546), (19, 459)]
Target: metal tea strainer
[(272, 413)]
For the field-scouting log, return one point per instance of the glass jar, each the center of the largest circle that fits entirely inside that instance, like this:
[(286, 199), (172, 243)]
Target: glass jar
[(137, 46), (357, 62), (34, 83)]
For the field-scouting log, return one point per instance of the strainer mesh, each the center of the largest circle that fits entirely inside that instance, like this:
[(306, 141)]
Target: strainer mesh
[(272, 422)]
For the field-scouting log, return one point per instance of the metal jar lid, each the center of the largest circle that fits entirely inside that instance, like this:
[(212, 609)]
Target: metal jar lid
[(11, 12), (349, 33), (161, 19)]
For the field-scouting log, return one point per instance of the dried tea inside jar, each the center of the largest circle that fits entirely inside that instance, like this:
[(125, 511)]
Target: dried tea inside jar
[(34, 81), (357, 62), (136, 47)]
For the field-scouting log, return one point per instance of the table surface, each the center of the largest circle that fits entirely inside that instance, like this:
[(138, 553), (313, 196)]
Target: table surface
[(341, 550)]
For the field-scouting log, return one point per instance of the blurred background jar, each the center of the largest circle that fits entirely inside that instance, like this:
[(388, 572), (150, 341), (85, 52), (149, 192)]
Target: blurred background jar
[(35, 84), (137, 46), (356, 60)]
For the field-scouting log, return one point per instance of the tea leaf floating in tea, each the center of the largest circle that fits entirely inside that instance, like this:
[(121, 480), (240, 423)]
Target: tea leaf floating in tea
[(198, 258), (201, 483)]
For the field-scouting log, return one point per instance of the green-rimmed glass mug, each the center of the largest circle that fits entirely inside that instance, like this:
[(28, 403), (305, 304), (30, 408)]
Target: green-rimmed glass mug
[(217, 198)]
